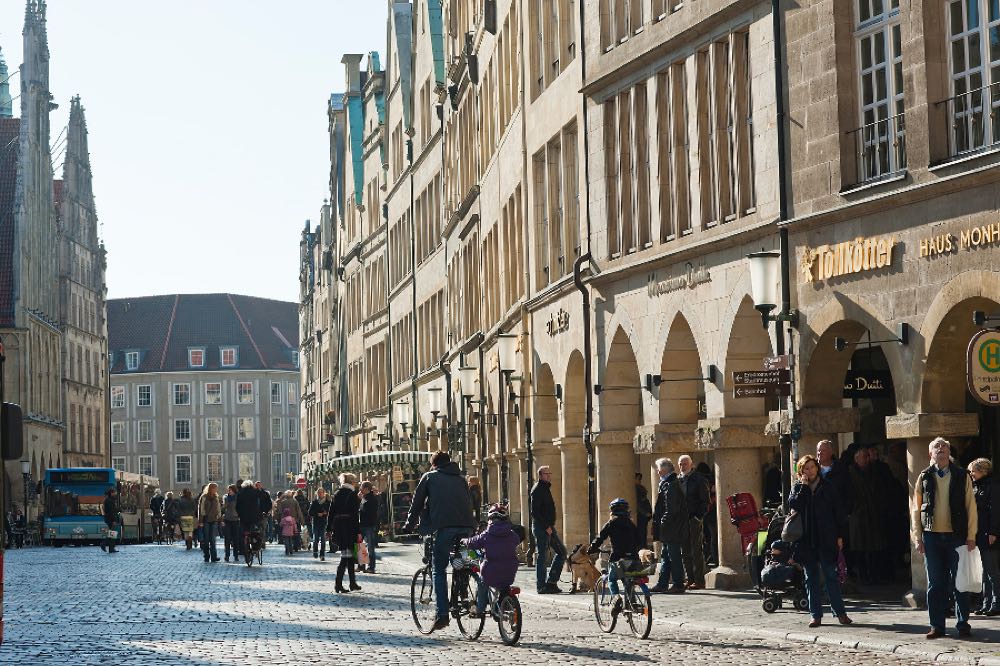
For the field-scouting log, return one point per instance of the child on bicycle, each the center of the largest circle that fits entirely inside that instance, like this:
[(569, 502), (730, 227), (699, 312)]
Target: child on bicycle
[(499, 543), (624, 543)]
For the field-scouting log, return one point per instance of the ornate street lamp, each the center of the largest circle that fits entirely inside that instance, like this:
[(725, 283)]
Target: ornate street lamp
[(402, 418), (507, 351)]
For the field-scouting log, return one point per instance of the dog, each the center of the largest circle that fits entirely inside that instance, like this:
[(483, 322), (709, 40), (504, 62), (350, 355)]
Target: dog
[(581, 565)]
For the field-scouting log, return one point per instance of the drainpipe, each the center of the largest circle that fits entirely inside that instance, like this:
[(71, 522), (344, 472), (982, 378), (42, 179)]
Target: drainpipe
[(446, 369), (481, 429), (588, 395)]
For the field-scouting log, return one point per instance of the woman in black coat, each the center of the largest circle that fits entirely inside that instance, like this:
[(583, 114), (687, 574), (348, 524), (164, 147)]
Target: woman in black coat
[(988, 530), (823, 526), (345, 528), (110, 518)]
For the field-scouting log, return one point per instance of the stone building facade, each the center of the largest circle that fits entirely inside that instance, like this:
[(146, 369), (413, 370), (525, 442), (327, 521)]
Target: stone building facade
[(205, 388)]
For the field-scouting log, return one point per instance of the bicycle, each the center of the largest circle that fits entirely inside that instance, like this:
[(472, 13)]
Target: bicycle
[(423, 605), (503, 606), (253, 546), (634, 602), (168, 533)]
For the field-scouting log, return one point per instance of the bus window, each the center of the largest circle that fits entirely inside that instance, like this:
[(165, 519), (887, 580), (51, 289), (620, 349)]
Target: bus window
[(64, 503)]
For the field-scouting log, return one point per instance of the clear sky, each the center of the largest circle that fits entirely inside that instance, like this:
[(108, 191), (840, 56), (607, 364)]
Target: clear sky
[(208, 129)]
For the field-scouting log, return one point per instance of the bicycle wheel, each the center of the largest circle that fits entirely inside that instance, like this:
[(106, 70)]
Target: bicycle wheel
[(422, 602), (603, 602), (260, 557), (509, 619), (639, 610), (464, 600), (248, 553)]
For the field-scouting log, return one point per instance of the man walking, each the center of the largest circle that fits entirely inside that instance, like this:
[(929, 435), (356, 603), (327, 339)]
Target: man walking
[(944, 517), (110, 510), (670, 516), (695, 489), (643, 512), (543, 527)]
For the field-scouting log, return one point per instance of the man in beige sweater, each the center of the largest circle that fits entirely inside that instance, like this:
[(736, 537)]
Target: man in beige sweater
[(944, 518)]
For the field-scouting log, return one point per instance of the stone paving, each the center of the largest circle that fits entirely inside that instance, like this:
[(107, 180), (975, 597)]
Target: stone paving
[(163, 605)]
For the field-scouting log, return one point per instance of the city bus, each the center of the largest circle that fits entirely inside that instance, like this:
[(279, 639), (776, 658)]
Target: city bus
[(74, 505)]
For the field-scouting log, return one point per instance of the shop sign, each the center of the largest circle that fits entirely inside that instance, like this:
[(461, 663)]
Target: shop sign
[(397, 474), (558, 323), (858, 256), (968, 239), (691, 278), (983, 367), (867, 384)]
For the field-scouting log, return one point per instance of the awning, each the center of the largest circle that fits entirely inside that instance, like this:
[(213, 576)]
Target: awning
[(378, 461)]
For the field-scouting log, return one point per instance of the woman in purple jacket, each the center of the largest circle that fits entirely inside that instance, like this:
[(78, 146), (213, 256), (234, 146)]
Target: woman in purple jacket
[(499, 544)]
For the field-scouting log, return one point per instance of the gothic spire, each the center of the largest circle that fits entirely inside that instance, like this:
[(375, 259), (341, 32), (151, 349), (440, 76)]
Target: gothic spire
[(6, 102)]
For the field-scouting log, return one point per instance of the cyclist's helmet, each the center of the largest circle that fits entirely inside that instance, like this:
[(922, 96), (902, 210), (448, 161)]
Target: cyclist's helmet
[(618, 507), (498, 512)]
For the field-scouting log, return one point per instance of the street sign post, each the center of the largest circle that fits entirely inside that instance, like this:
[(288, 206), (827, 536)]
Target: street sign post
[(783, 362), (762, 377), (983, 367), (762, 391)]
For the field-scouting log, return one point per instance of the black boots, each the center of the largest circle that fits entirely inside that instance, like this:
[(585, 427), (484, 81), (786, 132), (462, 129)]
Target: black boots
[(346, 565)]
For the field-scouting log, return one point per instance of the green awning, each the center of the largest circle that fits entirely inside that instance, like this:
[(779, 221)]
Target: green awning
[(378, 461)]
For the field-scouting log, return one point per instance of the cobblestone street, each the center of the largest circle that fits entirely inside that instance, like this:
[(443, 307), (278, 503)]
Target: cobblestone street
[(162, 605)]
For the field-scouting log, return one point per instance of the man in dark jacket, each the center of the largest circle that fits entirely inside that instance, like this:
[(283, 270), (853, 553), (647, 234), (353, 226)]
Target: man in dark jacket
[(695, 489), (450, 517), (543, 527), (834, 472), (249, 506), (643, 512), (671, 519), (110, 519), (369, 520), (319, 514)]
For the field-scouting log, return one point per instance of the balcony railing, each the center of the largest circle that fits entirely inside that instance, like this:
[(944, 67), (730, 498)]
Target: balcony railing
[(973, 121), (881, 148)]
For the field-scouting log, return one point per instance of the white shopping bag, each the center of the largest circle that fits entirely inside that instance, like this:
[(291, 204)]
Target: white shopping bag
[(112, 534), (970, 570)]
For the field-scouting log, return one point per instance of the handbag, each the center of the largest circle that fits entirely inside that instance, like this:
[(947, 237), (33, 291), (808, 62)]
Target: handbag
[(112, 534), (792, 530), (969, 577), (362, 554)]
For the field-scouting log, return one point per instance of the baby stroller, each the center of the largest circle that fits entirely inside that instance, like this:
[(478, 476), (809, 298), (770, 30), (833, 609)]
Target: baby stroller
[(782, 578)]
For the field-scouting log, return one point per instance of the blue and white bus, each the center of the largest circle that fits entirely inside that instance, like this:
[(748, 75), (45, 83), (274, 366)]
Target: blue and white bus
[(74, 504)]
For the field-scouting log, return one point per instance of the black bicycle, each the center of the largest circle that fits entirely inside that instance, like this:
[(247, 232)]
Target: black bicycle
[(634, 602), (503, 606), (253, 545), (462, 600)]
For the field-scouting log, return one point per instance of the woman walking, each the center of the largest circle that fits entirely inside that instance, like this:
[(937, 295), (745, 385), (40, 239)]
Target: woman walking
[(369, 521), (319, 512), (110, 509), (985, 489), (231, 528), (209, 517), (187, 510), (823, 526), (346, 528)]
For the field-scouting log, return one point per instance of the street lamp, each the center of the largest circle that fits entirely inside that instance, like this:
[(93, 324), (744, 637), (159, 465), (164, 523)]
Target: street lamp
[(764, 279), (507, 351), (379, 423), (402, 417), (25, 476), (435, 397)]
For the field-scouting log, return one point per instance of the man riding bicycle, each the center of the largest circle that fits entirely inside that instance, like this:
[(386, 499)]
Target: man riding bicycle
[(449, 518), (156, 508), (250, 508)]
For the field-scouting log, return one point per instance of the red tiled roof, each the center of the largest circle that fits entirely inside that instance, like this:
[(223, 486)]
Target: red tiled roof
[(164, 328), (10, 129)]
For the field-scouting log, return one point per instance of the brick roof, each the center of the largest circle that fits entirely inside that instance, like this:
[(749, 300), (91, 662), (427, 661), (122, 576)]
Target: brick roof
[(10, 129), (164, 328)]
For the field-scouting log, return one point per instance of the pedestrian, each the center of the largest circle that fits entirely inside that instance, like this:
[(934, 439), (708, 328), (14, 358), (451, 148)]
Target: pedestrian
[(288, 528), (643, 512), (984, 486), (344, 510), (266, 504), (622, 532), (499, 544), (670, 516), (188, 510), (543, 527), (369, 521), (110, 510), (287, 501), (303, 502), (834, 471), (476, 494), (156, 509), (815, 502), (209, 518), (250, 508), (319, 513), (866, 534), (711, 523), (944, 517), (695, 489), (20, 528), (8, 531), (231, 525), (171, 514)]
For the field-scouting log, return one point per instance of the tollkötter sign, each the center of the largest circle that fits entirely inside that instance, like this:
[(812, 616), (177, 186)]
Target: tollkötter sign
[(983, 367)]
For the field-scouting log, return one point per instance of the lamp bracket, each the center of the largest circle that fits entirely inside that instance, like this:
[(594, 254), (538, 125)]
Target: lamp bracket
[(902, 337), (981, 319), (711, 375)]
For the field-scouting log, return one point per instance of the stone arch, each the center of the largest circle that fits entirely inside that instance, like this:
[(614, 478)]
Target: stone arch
[(621, 406), (944, 388), (574, 397), (679, 401), (546, 406), (747, 346)]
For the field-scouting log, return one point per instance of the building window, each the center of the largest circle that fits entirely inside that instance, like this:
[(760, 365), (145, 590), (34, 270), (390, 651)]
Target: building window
[(146, 465), (117, 432), (182, 469), (275, 393), (213, 429), (229, 357), (880, 141), (244, 393), (295, 360), (277, 475), (182, 394), (182, 430), (275, 428), (144, 395), (247, 464), (292, 393), (144, 430), (974, 109), (672, 151), (293, 463), (292, 428), (214, 466), (196, 358), (118, 463), (213, 393), (117, 397), (245, 427), (131, 360)]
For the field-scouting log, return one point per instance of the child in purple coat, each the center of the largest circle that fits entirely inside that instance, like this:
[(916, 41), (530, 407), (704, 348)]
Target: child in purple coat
[(499, 543), (288, 527)]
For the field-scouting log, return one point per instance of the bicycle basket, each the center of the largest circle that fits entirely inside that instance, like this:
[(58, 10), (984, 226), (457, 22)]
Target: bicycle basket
[(632, 568)]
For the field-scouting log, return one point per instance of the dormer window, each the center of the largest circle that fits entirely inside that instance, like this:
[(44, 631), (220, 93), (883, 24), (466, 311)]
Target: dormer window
[(295, 360), (229, 357), (196, 358), (132, 360)]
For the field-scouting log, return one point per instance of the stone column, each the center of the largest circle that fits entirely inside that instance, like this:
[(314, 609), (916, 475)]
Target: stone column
[(517, 473), (614, 460), (573, 474)]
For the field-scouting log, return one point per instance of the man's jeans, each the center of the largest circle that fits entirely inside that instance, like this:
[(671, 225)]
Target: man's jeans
[(544, 541), (319, 539), (209, 533), (813, 566), (368, 533), (941, 562), (991, 578), (671, 566), (444, 543), (694, 552), (234, 538)]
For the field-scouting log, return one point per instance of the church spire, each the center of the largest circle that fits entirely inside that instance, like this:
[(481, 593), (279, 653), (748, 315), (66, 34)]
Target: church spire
[(6, 103)]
